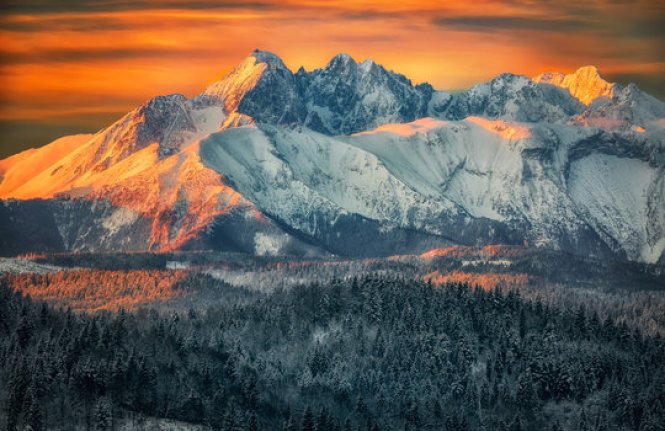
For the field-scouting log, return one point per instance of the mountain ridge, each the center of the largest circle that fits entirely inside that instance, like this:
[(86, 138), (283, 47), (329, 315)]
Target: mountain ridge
[(354, 159)]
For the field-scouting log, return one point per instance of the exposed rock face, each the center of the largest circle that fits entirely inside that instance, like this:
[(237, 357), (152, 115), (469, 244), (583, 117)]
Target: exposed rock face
[(353, 159), (347, 97), (344, 97)]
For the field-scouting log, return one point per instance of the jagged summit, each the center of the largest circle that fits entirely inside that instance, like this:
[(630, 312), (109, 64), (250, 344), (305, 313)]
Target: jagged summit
[(340, 59), (343, 97), (233, 89), (586, 84), (513, 97), (267, 57)]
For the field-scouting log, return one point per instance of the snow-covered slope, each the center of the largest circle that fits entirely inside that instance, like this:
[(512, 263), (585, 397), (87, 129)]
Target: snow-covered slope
[(618, 196), (353, 159), (536, 179), (512, 181)]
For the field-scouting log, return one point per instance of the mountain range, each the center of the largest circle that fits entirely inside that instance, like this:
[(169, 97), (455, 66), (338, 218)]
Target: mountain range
[(354, 160)]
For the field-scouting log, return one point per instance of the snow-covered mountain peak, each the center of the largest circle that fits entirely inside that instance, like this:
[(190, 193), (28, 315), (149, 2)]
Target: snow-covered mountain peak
[(231, 89), (268, 58), (513, 97), (586, 84), (629, 108), (341, 60)]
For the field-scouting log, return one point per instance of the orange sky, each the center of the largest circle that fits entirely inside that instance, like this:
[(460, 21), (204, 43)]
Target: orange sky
[(75, 65)]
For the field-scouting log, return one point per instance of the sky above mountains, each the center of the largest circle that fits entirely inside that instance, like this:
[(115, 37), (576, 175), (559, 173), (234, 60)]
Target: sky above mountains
[(73, 65)]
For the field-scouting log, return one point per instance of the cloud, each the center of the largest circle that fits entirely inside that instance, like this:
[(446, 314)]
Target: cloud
[(79, 55), (486, 23), (49, 6)]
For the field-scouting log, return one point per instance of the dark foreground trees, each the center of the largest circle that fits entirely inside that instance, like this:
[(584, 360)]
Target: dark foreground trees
[(370, 354)]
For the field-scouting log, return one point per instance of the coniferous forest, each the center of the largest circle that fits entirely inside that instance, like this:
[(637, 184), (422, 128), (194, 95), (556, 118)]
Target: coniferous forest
[(368, 353)]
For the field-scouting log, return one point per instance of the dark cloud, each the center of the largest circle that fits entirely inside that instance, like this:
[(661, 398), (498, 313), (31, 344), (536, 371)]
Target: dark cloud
[(56, 23), (17, 136), (488, 23), (79, 55), (652, 83), (50, 6)]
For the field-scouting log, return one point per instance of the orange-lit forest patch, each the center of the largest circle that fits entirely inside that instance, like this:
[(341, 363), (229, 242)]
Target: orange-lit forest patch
[(487, 281), (95, 290), (497, 250)]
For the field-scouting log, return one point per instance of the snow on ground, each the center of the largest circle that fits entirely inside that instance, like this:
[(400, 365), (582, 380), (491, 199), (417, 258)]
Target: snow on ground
[(269, 245), (156, 424), (119, 218), (422, 125), (18, 265)]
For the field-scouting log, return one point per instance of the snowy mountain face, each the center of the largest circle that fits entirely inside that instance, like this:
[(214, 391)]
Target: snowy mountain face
[(355, 160), (513, 97)]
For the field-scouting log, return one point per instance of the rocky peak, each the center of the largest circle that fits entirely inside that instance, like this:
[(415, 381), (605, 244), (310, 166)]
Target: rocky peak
[(268, 58), (160, 120), (586, 84), (341, 62), (513, 97), (234, 88)]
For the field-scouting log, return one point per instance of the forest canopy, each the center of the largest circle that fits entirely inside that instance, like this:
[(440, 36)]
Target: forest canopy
[(371, 353)]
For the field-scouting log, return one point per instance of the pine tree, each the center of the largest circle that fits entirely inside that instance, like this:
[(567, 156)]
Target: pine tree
[(583, 421), (102, 414), (523, 327), (322, 423), (33, 411), (217, 409), (413, 414), (361, 407), (580, 321), (230, 419), (24, 331), (347, 425), (307, 420), (526, 396), (252, 423), (456, 423), (290, 424), (17, 385), (437, 411)]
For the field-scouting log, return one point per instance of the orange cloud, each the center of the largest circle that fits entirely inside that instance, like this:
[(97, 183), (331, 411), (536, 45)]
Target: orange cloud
[(75, 60)]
